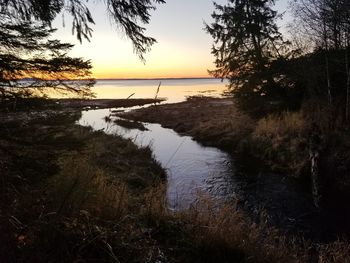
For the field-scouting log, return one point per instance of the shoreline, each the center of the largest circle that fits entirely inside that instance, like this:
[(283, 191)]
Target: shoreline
[(104, 103), (210, 121), (29, 104)]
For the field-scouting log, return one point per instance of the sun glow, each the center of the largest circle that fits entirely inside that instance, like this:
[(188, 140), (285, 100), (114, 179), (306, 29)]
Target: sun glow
[(182, 51), (134, 72), (114, 58)]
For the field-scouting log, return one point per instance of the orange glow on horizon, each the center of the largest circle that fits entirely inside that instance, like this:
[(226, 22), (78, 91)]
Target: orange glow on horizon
[(105, 76), (134, 74), (163, 63)]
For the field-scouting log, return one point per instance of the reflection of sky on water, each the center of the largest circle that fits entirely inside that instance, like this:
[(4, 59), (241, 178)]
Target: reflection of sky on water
[(191, 167), (174, 90)]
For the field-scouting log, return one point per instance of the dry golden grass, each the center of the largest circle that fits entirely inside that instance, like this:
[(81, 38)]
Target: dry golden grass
[(100, 206), (336, 252), (279, 126), (154, 207), (225, 234), (80, 185), (281, 141), (208, 232), (228, 128)]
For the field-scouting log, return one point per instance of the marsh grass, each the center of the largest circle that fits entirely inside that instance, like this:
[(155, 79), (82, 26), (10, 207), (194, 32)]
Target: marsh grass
[(282, 141), (284, 124), (74, 194), (82, 186), (225, 234), (335, 252), (97, 214), (229, 129)]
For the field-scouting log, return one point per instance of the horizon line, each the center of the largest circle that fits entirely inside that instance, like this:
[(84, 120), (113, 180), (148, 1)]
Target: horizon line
[(161, 78)]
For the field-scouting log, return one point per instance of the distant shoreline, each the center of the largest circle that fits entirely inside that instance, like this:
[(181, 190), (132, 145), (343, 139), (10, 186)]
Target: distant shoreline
[(123, 79), (194, 78)]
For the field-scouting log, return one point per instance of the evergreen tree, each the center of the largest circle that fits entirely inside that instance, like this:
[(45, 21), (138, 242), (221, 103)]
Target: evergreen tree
[(246, 42), (27, 52)]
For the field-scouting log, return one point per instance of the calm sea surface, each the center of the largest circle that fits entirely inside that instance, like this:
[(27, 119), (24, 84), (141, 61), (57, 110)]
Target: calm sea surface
[(175, 90)]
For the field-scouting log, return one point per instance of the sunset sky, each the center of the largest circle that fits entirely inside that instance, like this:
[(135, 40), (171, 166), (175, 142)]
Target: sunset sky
[(183, 48)]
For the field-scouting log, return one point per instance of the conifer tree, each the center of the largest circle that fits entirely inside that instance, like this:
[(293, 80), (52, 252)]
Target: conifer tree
[(246, 42), (26, 52)]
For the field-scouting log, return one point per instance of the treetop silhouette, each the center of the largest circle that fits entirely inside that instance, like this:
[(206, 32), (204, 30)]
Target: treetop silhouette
[(126, 14)]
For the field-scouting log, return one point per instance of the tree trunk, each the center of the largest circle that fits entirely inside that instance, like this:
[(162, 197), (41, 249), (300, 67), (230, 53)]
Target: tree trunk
[(314, 155), (328, 80), (325, 39), (347, 84)]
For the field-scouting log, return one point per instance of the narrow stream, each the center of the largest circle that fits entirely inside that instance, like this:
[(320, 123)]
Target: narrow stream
[(193, 169)]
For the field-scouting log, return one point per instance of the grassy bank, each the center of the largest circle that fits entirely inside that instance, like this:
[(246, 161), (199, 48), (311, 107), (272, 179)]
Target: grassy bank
[(211, 121), (70, 194), (283, 141)]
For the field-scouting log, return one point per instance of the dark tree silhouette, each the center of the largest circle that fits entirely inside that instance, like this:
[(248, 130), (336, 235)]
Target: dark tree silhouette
[(326, 26), (128, 16), (26, 53), (246, 42), (324, 22)]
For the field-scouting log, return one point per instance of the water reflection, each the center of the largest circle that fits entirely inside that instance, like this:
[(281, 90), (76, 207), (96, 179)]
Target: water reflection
[(191, 168), (175, 90)]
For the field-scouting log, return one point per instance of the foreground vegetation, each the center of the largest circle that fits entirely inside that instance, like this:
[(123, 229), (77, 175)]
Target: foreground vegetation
[(70, 194)]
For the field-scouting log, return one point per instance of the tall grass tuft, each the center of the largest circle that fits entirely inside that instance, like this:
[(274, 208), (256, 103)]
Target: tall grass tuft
[(281, 141), (225, 234), (336, 252), (82, 186)]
